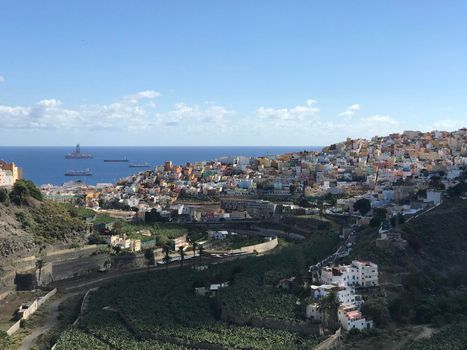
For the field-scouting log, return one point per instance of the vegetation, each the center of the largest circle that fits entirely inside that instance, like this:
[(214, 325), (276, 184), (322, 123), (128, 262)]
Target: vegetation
[(3, 195), (51, 221), (79, 212), (363, 205), (431, 270), (249, 298), (164, 304), (23, 190), (453, 337)]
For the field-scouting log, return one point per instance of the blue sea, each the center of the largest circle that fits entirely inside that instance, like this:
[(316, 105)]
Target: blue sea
[(47, 165)]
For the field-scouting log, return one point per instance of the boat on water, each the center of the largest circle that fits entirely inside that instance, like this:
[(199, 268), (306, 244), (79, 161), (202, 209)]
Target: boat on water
[(124, 160), (140, 165), (85, 172), (77, 154)]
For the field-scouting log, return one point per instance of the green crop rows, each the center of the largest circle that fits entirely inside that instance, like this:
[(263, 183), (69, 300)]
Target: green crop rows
[(163, 303)]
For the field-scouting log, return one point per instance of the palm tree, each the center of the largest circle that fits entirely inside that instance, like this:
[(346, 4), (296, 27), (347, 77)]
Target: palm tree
[(149, 256), (167, 256), (329, 305), (321, 209), (195, 245), (39, 265), (182, 255), (201, 251)]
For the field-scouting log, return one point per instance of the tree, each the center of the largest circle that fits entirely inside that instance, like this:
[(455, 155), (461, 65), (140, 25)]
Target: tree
[(117, 227), (329, 305), (39, 265), (153, 216), (376, 310), (117, 249), (363, 205), (166, 256), (3, 195), (321, 209), (375, 221), (201, 252), (149, 256), (380, 213), (20, 193), (194, 245), (181, 251)]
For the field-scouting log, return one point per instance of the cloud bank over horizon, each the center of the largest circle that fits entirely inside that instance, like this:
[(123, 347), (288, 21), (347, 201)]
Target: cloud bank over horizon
[(137, 119)]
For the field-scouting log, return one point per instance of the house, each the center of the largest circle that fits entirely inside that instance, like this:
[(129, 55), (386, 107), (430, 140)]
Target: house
[(219, 235), (345, 295), (351, 318), (359, 273), (211, 290), (313, 312), (433, 197)]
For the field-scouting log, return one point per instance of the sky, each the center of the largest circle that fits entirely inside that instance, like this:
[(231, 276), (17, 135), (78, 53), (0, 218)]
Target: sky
[(225, 72)]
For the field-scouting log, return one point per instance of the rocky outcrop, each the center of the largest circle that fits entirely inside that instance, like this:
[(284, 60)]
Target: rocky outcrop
[(14, 240)]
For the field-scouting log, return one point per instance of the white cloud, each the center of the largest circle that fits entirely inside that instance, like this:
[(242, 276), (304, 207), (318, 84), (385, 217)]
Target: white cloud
[(146, 94), (448, 125), (379, 120), (209, 114), (294, 114), (2, 79), (135, 112), (50, 103), (350, 111), (126, 114)]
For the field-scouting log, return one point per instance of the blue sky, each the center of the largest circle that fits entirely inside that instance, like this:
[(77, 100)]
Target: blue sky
[(215, 72)]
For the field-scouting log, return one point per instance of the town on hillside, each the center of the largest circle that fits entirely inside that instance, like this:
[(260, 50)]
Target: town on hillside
[(262, 244)]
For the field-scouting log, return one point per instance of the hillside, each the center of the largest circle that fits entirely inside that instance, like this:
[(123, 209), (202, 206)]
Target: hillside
[(426, 283), (28, 223)]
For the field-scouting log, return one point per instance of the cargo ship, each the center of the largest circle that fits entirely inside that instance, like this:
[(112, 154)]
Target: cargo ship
[(124, 160), (141, 165), (85, 172), (77, 154)]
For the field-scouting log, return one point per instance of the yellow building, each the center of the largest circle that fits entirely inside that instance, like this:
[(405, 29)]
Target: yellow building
[(10, 174)]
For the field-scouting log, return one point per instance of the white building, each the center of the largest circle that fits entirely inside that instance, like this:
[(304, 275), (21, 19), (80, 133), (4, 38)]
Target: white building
[(350, 318), (217, 234), (433, 196), (359, 273), (345, 295), (313, 312)]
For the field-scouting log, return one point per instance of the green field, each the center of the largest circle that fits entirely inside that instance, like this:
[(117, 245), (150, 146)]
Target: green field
[(163, 303)]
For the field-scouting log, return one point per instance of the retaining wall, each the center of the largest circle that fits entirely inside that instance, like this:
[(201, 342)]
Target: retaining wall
[(256, 248)]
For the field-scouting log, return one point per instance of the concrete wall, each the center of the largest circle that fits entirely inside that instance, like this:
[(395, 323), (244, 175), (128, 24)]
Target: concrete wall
[(267, 232), (46, 297), (30, 310), (14, 328), (256, 248)]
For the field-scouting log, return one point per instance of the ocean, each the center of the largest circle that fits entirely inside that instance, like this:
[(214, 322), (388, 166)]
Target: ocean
[(47, 165)]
